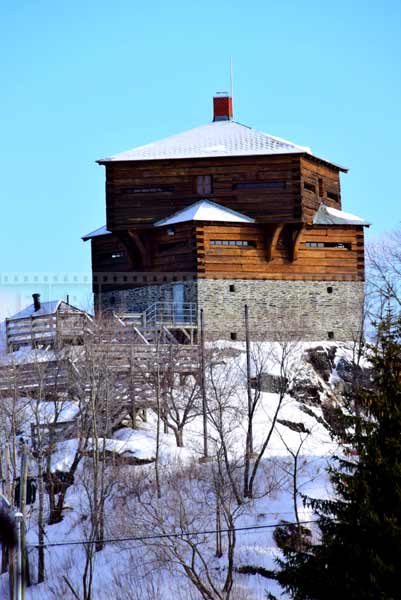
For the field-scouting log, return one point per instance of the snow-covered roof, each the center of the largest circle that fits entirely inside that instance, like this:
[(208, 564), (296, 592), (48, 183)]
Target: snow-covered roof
[(332, 216), (205, 210), (101, 231), (46, 308), (220, 138)]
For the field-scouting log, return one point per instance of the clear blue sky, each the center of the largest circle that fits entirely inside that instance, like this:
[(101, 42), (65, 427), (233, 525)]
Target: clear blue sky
[(84, 79)]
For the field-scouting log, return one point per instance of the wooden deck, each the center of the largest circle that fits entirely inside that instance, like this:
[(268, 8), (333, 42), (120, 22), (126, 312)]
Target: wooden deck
[(46, 330)]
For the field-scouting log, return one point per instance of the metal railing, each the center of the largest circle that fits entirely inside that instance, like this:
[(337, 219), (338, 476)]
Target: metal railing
[(171, 313)]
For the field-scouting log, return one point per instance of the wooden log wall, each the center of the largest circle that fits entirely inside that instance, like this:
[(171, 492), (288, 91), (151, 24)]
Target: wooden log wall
[(126, 207), (319, 183), (139, 193), (165, 253), (264, 262), (103, 249), (276, 251), (174, 253)]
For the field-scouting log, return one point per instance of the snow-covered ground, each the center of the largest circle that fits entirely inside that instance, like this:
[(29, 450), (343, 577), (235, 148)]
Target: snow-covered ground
[(129, 569)]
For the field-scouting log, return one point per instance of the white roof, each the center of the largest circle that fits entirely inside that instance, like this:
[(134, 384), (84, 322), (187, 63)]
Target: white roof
[(46, 308), (205, 210), (101, 231), (220, 138), (332, 216)]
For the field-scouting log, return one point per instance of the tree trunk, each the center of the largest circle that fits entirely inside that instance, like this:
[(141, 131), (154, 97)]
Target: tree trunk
[(41, 529), (179, 437)]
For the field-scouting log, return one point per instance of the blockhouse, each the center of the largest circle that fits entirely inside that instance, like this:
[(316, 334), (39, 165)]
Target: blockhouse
[(222, 216)]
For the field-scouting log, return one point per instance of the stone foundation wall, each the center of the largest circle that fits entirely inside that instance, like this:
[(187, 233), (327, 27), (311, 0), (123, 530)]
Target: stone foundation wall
[(139, 298), (307, 310)]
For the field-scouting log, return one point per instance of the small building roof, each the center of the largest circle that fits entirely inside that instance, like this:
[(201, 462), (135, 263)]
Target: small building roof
[(46, 308), (205, 210), (220, 138), (332, 216), (97, 232)]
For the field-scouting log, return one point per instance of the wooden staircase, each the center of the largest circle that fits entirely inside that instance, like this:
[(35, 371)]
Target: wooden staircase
[(162, 322)]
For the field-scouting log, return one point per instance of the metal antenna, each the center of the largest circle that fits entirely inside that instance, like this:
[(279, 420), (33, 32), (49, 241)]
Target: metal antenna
[(231, 79)]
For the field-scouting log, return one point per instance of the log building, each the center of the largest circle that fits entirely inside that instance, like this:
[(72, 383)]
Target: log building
[(224, 215)]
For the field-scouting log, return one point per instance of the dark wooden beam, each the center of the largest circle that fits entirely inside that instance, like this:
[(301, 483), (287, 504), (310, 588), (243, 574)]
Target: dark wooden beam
[(297, 237), (142, 246), (272, 239)]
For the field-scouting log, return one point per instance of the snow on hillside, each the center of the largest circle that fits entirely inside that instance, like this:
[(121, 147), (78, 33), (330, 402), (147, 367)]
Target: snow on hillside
[(129, 569)]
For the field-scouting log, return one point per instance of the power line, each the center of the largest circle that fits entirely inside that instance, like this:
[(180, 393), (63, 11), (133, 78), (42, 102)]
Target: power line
[(168, 535)]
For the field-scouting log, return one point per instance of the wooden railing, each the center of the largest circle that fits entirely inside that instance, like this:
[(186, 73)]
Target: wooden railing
[(45, 329)]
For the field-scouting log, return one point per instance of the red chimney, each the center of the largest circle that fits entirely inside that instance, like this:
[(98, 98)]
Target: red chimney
[(222, 107)]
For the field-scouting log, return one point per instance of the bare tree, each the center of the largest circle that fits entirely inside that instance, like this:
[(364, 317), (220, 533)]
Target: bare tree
[(174, 528), (257, 361), (13, 425), (225, 414), (294, 468), (98, 387), (283, 356), (384, 274)]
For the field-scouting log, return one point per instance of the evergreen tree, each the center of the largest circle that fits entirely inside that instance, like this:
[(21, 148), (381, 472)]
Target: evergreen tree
[(358, 555)]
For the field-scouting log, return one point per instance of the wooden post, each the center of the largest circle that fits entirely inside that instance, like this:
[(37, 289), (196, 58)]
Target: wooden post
[(132, 390), (21, 552), (19, 583), (203, 385), (248, 382)]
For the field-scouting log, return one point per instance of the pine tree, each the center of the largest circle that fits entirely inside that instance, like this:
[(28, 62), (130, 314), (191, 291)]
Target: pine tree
[(358, 555)]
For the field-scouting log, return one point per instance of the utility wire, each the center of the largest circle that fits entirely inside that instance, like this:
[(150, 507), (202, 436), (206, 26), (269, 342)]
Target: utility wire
[(168, 535)]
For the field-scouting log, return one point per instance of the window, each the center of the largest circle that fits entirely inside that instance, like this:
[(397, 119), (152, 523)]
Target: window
[(321, 191), (149, 190), (257, 185), (338, 245), (204, 185), (332, 196), (309, 187), (232, 287), (233, 336), (329, 290), (330, 335), (117, 255), (240, 243)]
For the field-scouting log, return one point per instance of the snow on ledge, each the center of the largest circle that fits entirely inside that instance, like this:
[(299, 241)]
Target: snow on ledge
[(332, 216), (205, 210)]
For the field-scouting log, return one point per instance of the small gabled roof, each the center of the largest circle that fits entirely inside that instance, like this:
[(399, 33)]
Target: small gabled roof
[(332, 216), (205, 210), (46, 308), (220, 138), (101, 231)]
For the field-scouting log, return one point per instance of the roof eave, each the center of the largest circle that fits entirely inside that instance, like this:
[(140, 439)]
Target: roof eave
[(325, 162), (302, 153)]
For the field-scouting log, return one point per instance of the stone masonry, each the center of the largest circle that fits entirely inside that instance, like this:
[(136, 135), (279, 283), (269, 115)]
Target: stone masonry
[(139, 298), (307, 310)]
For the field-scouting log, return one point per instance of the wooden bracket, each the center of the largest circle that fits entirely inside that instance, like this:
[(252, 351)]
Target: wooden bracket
[(271, 242), (136, 246), (297, 237)]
